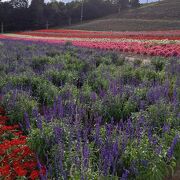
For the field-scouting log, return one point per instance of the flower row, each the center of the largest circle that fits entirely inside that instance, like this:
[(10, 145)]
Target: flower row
[(143, 48), (155, 33), (102, 35)]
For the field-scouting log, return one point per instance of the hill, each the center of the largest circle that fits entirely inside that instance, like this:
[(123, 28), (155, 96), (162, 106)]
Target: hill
[(162, 15)]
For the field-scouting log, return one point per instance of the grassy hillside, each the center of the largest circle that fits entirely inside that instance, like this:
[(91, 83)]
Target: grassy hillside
[(161, 15), (164, 9)]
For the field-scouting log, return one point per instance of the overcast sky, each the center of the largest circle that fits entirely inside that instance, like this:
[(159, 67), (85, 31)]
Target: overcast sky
[(142, 1)]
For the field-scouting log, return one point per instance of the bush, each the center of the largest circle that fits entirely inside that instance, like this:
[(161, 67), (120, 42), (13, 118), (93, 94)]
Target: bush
[(68, 43), (99, 78), (38, 63), (158, 63), (37, 140), (3, 82), (53, 53), (60, 78), (160, 113), (16, 104), (44, 91), (118, 108)]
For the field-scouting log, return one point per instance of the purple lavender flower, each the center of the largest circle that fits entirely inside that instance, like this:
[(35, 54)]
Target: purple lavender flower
[(60, 107), (38, 119), (124, 142), (175, 96), (58, 133), (93, 96), (27, 122), (173, 144), (108, 130), (115, 149), (129, 128), (166, 128), (40, 167), (20, 125), (86, 154), (158, 150), (142, 104), (150, 135), (125, 175), (101, 93), (144, 162)]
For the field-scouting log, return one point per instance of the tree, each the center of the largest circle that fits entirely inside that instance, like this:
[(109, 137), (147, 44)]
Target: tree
[(19, 3), (19, 15), (54, 12), (73, 11), (37, 12), (5, 12), (135, 3), (121, 4)]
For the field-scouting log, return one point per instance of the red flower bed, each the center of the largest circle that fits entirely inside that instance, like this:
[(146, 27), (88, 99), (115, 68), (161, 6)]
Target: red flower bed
[(128, 33), (16, 158), (166, 50), (96, 35)]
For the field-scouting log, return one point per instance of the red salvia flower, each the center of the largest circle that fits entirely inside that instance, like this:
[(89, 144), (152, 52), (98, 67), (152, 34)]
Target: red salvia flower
[(20, 171), (5, 170), (34, 174), (17, 158)]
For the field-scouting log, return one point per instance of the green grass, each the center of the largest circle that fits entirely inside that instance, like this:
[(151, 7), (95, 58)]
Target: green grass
[(128, 25)]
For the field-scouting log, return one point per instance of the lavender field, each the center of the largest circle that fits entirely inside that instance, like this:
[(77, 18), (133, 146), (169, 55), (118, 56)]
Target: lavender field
[(91, 114)]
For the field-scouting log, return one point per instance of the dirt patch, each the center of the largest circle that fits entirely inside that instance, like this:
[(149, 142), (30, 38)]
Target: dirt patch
[(131, 58), (176, 176)]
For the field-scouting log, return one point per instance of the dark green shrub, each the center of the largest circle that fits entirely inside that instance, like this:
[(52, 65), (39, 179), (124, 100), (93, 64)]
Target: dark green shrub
[(118, 108), (21, 80), (127, 73), (53, 53), (36, 139), (160, 113), (129, 107), (44, 90), (38, 63), (97, 81), (16, 104), (158, 63), (59, 78), (68, 43), (101, 76), (137, 62), (75, 64), (3, 82), (146, 74), (141, 93)]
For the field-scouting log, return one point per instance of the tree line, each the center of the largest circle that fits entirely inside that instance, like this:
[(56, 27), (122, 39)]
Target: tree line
[(18, 15)]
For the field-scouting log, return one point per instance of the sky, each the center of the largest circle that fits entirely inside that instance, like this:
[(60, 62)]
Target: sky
[(142, 1)]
